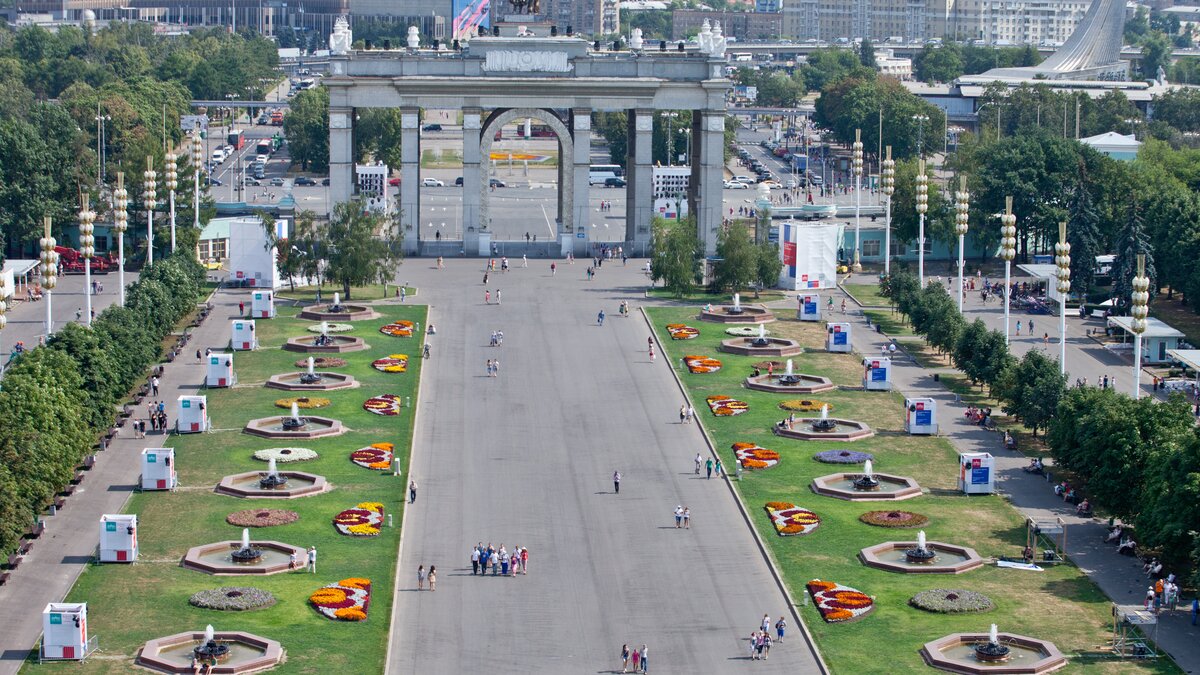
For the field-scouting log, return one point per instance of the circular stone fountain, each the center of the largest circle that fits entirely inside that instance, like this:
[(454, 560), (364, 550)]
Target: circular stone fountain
[(992, 652), (761, 345), (228, 558), (867, 481), (324, 343), (294, 426), (226, 652), (736, 313), (338, 311), (921, 557), (879, 487), (311, 380), (250, 484), (789, 382), (824, 428)]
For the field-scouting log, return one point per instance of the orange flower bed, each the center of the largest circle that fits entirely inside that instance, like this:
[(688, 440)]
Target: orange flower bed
[(347, 600), (726, 406), (750, 456), (376, 456), (701, 364), (681, 331), (791, 519), (838, 603), (398, 329)]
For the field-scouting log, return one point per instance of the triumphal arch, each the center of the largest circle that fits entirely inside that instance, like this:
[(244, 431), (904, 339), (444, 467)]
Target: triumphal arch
[(558, 81)]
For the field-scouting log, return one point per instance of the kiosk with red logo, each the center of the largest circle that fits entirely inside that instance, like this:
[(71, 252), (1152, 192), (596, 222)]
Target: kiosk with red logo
[(191, 415), (118, 538), (808, 307), (837, 337), (920, 416), (64, 632), (976, 473), (877, 373), (220, 371), (158, 469), (243, 338), (262, 304)]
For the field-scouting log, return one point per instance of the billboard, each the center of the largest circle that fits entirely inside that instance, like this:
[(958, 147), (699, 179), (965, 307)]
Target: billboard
[(470, 16)]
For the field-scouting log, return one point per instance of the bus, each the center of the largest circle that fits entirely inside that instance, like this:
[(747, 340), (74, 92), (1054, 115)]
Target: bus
[(536, 131), (277, 118), (598, 173), (264, 147), (236, 138)]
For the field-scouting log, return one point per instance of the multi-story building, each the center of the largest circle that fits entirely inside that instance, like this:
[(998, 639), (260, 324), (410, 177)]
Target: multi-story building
[(770, 6), (1019, 21), (669, 187), (739, 25), (584, 17)]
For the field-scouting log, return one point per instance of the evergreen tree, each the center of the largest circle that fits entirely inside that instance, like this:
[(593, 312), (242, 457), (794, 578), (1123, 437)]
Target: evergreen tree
[(866, 53), (1083, 233), (1131, 241)]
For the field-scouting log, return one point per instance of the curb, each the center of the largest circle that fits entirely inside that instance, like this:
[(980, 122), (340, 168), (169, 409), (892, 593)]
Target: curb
[(762, 547)]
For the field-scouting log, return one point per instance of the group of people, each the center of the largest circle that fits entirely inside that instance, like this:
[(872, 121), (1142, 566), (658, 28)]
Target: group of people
[(497, 338), (760, 640), (639, 658), (683, 517), (156, 413), (980, 416), (429, 577), (1125, 543), (1068, 493), (501, 562), (493, 367), (1164, 593)]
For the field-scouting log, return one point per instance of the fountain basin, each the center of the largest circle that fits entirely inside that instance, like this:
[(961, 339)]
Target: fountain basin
[(956, 653), (947, 559), (299, 484), (891, 488), (774, 346), (802, 384), (337, 345), (217, 558), (329, 381), (845, 430), (315, 427), (745, 314), (248, 653), (349, 313)]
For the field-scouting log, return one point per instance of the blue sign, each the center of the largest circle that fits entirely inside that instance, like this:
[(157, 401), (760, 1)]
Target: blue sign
[(810, 308), (879, 375), (55, 619), (151, 458), (187, 404), (839, 338), (980, 476), (923, 418), (580, 235)]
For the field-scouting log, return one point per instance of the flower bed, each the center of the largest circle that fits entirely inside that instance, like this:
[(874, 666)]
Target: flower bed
[(347, 600), (232, 598), (303, 402), (843, 457), (398, 329), (745, 331), (376, 456), (322, 362), (838, 603), (701, 364), (364, 520), (894, 519), (681, 331), (951, 601), (750, 456), (384, 404), (725, 406), (791, 520), (804, 405), (331, 328), (262, 517), (285, 455), (394, 363)]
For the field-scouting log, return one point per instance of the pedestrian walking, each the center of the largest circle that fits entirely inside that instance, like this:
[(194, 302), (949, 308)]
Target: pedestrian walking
[(1031, 327), (645, 658), (718, 468), (154, 385), (485, 278), (600, 318), (497, 296), (241, 309), (651, 353), (489, 367), (678, 516), (766, 646), (625, 658), (433, 577), (403, 293), (766, 623), (698, 461), (637, 660), (524, 261), (312, 559), (780, 627), (524, 560), (412, 492), (687, 518), (421, 578), (617, 482), (753, 645), (691, 414), (683, 413), (487, 297), (292, 560), (553, 269), (475, 561), (708, 468), (1018, 327)]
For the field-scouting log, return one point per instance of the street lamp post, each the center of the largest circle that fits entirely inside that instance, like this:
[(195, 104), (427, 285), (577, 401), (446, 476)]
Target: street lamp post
[(1062, 260), (920, 120), (172, 183), (120, 224), (87, 248), (49, 271), (922, 207), (1008, 251), (888, 186), (1138, 310), (150, 195), (197, 163), (4, 293), (962, 208), (857, 164)]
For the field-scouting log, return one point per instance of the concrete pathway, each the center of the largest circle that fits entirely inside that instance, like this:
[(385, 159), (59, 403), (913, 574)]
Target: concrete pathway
[(1120, 577), (71, 537), (527, 459)]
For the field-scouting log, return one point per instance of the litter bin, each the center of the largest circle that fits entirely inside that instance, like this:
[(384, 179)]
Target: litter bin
[(937, 377)]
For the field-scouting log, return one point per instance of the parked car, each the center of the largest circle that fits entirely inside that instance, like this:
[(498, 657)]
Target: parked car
[(394, 181), (324, 181), (458, 181), (496, 182), (614, 182), (736, 185), (277, 182), (253, 181), (773, 184), (428, 182), (431, 127), (791, 184), (305, 180)]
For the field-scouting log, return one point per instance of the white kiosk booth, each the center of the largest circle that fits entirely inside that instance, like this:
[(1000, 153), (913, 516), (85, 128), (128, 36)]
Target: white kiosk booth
[(220, 371), (191, 415), (243, 338), (837, 337), (158, 469), (808, 307), (976, 473), (118, 538), (64, 632), (877, 373), (262, 304), (920, 416)]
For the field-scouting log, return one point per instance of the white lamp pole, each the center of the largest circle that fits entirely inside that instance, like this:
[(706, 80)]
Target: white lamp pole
[(1062, 259), (49, 272), (888, 186), (1008, 251), (150, 195), (922, 207), (962, 208), (1138, 310), (120, 224), (172, 183), (858, 169), (4, 293), (87, 248), (197, 165)]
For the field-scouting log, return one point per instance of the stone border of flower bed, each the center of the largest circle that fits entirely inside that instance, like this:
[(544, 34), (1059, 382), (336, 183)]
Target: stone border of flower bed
[(951, 601), (262, 517), (894, 519), (232, 598)]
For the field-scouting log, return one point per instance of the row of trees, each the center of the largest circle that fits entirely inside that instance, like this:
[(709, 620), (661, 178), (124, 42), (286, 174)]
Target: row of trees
[(58, 398)]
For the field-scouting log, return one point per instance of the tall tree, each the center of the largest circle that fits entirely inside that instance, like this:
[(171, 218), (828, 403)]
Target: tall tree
[(737, 264), (769, 265), (1132, 241), (866, 53), (1084, 236), (676, 249), (363, 246), (307, 129)]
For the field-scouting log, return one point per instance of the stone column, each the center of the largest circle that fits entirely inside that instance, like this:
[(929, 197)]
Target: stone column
[(410, 178), (341, 155), (472, 155), (639, 197), (708, 166), (581, 130)]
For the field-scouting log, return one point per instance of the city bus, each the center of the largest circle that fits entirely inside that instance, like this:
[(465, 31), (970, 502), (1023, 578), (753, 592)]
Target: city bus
[(236, 138), (598, 173)]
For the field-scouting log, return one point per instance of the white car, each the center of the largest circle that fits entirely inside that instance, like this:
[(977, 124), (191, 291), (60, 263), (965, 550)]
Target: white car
[(791, 184), (432, 182), (741, 179), (772, 184), (735, 185)]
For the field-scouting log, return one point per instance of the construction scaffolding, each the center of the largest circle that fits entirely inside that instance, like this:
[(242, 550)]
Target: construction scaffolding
[(1047, 540), (1135, 632)]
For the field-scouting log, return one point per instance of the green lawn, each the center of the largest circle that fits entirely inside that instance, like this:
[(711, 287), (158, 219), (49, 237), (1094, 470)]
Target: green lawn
[(1059, 604), (892, 322), (131, 604), (867, 295)]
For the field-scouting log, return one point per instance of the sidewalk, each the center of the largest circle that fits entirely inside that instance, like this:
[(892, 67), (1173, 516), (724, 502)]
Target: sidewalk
[(1119, 577), (71, 537)]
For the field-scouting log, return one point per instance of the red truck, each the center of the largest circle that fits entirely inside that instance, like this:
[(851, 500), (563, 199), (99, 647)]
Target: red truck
[(72, 261)]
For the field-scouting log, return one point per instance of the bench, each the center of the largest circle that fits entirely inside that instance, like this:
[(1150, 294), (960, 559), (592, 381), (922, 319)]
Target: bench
[(36, 531), (24, 547), (88, 463), (60, 502), (69, 490), (78, 477), (3, 578), (13, 561)]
